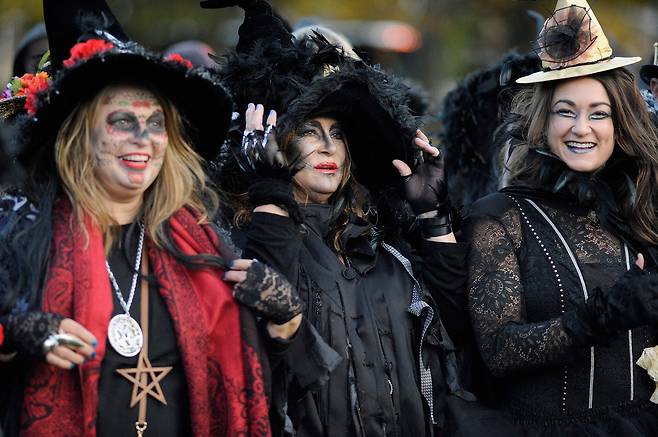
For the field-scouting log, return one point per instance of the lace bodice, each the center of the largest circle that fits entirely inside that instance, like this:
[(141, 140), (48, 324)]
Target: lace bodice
[(521, 283)]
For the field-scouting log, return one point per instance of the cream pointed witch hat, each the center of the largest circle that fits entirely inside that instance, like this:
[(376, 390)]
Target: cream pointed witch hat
[(572, 44)]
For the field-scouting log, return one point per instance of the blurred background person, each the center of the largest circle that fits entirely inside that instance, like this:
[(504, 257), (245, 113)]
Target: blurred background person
[(30, 50), (197, 52), (649, 75)]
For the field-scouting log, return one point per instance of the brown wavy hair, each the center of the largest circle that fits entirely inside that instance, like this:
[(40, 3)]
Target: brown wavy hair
[(181, 181), (635, 137)]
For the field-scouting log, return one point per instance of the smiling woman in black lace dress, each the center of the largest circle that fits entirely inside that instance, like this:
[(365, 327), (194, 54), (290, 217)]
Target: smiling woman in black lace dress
[(561, 297)]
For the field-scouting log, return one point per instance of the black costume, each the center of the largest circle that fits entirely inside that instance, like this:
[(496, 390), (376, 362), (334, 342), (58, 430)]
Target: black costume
[(372, 309), (528, 287), (364, 311), (167, 420)]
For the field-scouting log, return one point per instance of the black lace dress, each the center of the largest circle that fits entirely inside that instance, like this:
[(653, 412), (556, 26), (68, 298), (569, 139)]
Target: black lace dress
[(531, 262)]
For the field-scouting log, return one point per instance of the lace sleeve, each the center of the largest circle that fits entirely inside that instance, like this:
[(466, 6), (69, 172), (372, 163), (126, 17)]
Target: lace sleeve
[(506, 340)]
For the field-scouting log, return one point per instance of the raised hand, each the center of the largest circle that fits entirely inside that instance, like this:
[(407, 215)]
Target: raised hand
[(425, 188), (260, 152), (261, 158)]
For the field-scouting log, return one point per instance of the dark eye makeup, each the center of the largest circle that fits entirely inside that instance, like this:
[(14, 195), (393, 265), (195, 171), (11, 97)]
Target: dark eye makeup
[(156, 122), (127, 121), (122, 120), (569, 113)]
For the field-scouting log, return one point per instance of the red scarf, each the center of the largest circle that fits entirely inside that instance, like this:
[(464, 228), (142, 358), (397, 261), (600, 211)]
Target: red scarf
[(222, 370)]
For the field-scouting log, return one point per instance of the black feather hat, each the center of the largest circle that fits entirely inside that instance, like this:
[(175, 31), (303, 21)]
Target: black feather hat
[(650, 71), (306, 78), (89, 51), (470, 116)]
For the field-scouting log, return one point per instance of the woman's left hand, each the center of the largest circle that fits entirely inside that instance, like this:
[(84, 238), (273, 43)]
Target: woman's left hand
[(268, 293), (425, 188)]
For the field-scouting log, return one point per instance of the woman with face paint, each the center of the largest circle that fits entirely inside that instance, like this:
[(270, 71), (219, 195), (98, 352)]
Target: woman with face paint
[(563, 291), (336, 172), (117, 314)]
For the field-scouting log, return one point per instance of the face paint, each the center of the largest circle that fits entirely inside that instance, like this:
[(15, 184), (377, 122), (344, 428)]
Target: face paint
[(580, 130), (321, 144), (129, 142)]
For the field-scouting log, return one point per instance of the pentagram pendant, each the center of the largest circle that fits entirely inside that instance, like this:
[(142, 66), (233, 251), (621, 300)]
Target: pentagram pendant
[(125, 335)]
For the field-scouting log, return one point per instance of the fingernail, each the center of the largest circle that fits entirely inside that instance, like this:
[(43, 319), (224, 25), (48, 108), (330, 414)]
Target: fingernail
[(72, 366), (259, 106), (223, 275), (94, 343), (93, 355), (271, 114), (250, 105), (230, 263)]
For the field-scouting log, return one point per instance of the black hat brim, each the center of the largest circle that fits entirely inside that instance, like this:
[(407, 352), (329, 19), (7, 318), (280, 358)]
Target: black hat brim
[(374, 114), (647, 72), (202, 102)]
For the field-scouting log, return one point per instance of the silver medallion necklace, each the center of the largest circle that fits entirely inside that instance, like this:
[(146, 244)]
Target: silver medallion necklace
[(124, 332)]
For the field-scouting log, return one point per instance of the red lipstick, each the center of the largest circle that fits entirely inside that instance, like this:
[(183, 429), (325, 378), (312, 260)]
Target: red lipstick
[(327, 167), (135, 161)]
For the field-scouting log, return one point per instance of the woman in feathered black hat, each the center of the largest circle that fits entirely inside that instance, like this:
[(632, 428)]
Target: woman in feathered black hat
[(563, 293), (326, 203), (114, 315)]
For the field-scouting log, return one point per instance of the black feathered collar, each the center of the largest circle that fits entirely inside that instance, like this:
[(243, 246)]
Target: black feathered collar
[(583, 193)]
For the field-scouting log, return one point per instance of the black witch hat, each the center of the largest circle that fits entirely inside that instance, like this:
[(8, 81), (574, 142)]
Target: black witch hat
[(650, 71), (310, 77), (89, 51)]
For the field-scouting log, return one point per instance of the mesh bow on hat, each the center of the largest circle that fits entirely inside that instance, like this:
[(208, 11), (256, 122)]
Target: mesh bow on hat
[(572, 44)]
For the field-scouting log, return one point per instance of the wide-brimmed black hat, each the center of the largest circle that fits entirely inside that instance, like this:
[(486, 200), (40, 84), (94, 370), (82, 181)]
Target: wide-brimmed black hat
[(306, 78), (89, 51), (650, 71)]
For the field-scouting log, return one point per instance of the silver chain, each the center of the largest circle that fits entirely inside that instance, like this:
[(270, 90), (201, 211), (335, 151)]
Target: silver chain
[(138, 261)]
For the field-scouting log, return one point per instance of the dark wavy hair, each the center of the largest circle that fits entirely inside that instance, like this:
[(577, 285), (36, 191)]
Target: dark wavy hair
[(350, 200), (636, 143)]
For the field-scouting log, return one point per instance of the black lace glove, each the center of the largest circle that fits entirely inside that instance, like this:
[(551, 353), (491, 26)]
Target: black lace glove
[(264, 191), (269, 294), (426, 191), (25, 333), (262, 160), (631, 302)]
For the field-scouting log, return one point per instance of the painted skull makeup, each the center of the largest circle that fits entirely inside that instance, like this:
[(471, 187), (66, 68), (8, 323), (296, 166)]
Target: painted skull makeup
[(129, 141)]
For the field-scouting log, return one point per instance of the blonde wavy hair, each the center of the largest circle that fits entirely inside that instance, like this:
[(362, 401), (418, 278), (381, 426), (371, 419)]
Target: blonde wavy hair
[(181, 181)]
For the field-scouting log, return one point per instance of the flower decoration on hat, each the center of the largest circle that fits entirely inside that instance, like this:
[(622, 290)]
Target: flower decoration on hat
[(88, 51), (175, 57), (85, 50), (27, 87)]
